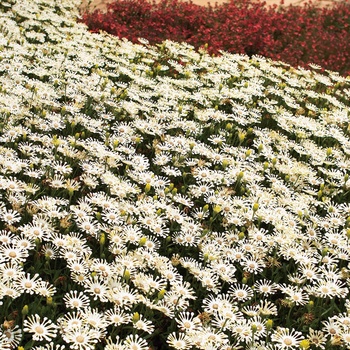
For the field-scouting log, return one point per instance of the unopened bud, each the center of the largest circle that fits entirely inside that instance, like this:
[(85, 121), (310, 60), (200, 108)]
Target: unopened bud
[(126, 276), (161, 294), (135, 317), (25, 310), (217, 209), (102, 239), (269, 324), (142, 241), (148, 187)]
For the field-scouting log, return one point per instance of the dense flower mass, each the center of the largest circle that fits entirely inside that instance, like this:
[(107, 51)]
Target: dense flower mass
[(155, 197), (298, 35)]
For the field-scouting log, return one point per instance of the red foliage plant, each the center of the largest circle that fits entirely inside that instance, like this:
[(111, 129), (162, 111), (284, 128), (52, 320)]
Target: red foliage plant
[(298, 35)]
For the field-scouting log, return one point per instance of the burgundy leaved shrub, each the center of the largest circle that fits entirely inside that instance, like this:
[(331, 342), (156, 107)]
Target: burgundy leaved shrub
[(297, 35)]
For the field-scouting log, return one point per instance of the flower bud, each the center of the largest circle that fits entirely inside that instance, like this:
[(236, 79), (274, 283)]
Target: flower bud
[(148, 187), (135, 317), (161, 294), (228, 126), (142, 241), (102, 239), (126, 276), (269, 324), (25, 310), (217, 209)]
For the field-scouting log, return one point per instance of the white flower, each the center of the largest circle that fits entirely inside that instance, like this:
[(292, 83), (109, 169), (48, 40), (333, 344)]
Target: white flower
[(41, 329), (81, 337), (76, 300), (285, 338)]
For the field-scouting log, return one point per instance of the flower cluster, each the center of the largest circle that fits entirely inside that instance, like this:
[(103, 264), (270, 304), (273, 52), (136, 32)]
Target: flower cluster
[(156, 197), (295, 34)]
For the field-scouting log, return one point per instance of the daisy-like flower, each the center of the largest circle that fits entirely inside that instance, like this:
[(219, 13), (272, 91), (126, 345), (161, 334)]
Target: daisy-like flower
[(332, 328), (10, 216), (242, 331), (329, 288), (174, 300), (241, 293), (317, 338), (81, 337), (135, 342), (253, 265), (10, 271), (13, 334), (295, 295), (209, 280), (76, 300), (209, 338), (6, 237), (345, 336), (179, 341), (267, 308), (35, 231), (4, 342), (95, 319), (71, 320), (49, 250), (27, 283), (14, 254), (144, 325), (285, 338), (251, 310), (117, 316), (224, 269), (114, 344), (188, 322), (258, 327), (265, 287), (41, 329), (10, 289), (96, 288)]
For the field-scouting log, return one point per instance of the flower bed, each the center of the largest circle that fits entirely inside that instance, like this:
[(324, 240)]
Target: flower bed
[(155, 197), (293, 34)]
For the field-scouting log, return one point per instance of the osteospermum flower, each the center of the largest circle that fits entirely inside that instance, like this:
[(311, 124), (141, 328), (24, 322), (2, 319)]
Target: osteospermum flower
[(265, 287), (240, 293), (81, 337), (135, 342), (285, 338), (13, 334), (317, 338), (76, 300), (179, 341), (41, 329), (188, 322), (28, 283)]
